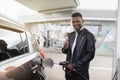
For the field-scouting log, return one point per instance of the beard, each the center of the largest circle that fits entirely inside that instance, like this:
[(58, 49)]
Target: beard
[(77, 28)]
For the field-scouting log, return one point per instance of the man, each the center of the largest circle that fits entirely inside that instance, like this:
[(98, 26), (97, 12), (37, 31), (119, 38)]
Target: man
[(80, 50), (6, 53)]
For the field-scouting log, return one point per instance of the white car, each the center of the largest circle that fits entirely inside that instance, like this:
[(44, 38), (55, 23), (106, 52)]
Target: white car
[(25, 65)]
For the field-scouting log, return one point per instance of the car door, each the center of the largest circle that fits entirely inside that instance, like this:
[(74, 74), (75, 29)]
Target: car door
[(23, 66)]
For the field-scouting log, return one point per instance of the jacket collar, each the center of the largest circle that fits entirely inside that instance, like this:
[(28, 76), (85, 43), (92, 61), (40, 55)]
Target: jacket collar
[(80, 29)]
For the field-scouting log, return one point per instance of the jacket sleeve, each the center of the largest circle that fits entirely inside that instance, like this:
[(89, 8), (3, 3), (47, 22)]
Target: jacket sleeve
[(90, 49)]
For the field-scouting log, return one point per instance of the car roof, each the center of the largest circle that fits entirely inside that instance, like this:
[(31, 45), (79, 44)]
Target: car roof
[(10, 24)]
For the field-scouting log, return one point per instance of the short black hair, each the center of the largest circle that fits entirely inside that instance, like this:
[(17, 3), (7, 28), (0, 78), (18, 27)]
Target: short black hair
[(76, 14)]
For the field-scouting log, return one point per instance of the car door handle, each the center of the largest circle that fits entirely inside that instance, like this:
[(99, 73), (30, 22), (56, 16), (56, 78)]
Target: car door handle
[(34, 68)]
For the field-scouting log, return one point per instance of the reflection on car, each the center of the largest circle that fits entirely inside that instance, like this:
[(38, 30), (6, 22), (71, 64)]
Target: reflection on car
[(6, 53)]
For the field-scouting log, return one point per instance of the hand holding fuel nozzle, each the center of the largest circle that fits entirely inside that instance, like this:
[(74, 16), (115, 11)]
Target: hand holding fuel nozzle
[(66, 64)]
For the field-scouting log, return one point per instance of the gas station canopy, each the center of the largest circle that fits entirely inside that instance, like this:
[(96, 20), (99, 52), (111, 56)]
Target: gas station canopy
[(50, 5)]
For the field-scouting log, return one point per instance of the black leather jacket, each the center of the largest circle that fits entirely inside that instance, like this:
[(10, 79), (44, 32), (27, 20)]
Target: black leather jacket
[(84, 51)]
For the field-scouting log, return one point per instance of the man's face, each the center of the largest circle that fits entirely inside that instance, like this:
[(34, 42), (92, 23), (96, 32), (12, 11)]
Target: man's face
[(77, 23)]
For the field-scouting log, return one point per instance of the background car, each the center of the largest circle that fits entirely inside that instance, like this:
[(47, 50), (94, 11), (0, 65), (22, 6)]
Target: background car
[(27, 65)]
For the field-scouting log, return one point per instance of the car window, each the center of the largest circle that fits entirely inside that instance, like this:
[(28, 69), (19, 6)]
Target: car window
[(17, 43)]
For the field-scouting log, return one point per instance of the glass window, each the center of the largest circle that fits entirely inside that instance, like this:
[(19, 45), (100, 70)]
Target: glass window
[(12, 44), (105, 38), (52, 34)]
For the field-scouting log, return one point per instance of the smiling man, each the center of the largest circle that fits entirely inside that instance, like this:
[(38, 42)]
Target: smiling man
[(80, 50)]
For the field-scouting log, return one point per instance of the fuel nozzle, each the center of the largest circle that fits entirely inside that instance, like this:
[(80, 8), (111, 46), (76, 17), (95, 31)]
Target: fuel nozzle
[(64, 64)]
